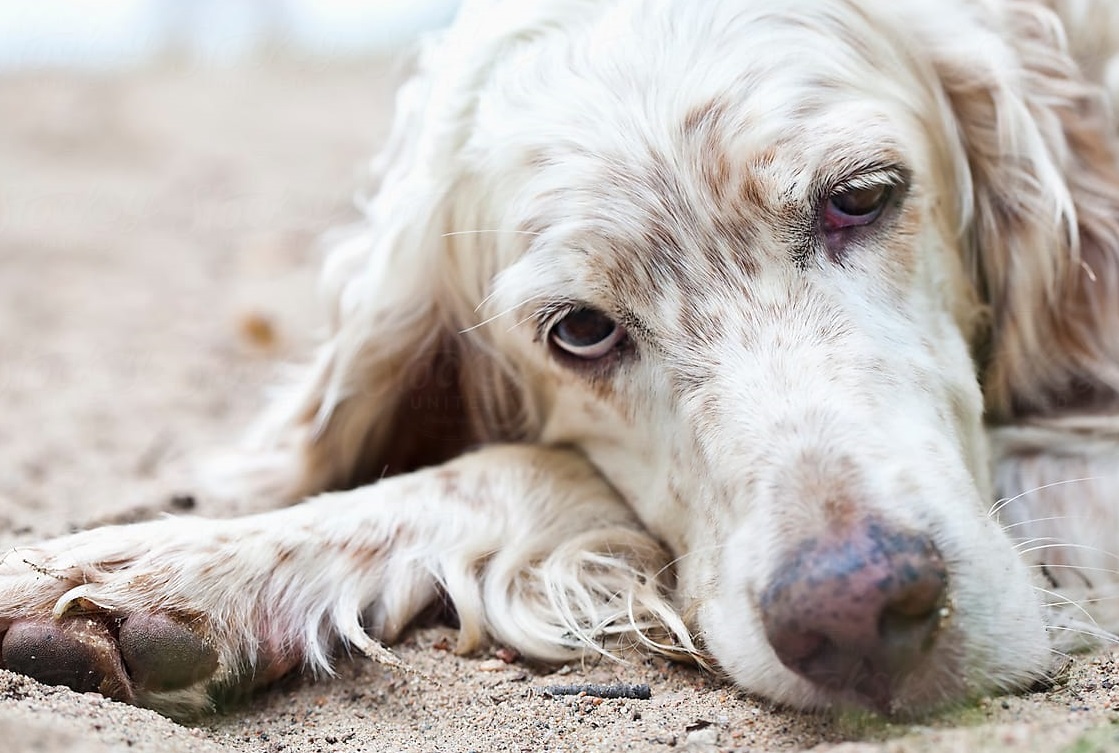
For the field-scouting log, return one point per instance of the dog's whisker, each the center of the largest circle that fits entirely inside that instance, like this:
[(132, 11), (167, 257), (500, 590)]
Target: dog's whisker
[(1020, 545), (1063, 601), (1002, 503), (519, 322), (1057, 544), (498, 315), (1086, 630), (1067, 656), (1075, 568), (692, 553), (496, 231), (1069, 602), (1032, 521), (486, 299)]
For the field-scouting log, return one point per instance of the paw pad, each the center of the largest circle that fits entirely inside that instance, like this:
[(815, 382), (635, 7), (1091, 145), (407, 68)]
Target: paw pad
[(163, 653), (151, 653), (78, 652)]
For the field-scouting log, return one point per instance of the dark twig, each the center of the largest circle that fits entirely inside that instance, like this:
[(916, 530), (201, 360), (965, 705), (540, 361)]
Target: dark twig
[(621, 690)]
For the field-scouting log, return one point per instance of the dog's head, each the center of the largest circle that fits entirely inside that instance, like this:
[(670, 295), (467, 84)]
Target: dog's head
[(770, 267)]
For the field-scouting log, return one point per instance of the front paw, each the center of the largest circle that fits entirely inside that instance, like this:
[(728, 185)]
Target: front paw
[(144, 653), (102, 612)]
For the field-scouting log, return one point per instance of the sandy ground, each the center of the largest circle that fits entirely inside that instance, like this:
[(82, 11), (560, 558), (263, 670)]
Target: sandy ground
[(143, 217)]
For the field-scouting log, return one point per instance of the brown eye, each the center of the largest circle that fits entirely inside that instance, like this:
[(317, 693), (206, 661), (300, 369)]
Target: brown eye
[(855, 207), (587, 334)]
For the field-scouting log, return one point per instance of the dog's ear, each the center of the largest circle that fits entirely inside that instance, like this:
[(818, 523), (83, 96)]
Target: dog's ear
[(406, 377), (1041, 213)]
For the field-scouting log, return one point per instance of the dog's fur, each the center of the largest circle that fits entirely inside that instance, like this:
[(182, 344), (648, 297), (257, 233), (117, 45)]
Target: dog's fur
[(949, 369)]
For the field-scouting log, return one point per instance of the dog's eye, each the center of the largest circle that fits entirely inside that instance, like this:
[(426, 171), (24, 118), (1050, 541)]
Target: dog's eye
[(855, 206), (587, 334)]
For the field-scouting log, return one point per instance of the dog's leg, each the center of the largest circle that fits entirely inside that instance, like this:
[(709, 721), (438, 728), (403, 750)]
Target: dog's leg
[(529, 545)]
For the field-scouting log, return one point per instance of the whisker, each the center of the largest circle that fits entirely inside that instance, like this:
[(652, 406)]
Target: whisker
[(1064, 545), (1002, 503), (1064, 655), (676, 560), (485, 300), (498, 315), (1063, 601), (1008, 526), (1037, 540), (496, 231), (1069, 602), (519, 322), (1082, 568), (1102, 635)]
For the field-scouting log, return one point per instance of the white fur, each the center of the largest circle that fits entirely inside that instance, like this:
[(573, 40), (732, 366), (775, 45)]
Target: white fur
[(656, 160)]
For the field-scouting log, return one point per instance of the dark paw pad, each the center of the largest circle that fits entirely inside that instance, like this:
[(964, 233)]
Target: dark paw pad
[(77, 652), (164, 653)]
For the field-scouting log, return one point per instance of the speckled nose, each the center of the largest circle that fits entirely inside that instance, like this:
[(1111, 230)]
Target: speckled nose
[(856, 611)]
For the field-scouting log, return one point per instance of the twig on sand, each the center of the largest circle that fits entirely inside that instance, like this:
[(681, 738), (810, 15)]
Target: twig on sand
[(620, 690)]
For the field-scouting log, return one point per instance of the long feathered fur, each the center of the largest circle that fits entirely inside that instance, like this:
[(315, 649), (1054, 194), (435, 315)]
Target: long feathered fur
[(527, 153)]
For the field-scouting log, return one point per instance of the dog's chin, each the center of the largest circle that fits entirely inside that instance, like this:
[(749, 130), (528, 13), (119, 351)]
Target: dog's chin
[(748, 661)]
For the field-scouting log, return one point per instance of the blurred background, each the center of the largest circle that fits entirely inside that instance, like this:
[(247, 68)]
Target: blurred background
[(116, 33), (169, 170)]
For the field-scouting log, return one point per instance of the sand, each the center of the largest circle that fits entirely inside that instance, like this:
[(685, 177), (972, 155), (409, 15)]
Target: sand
[(157, 267)]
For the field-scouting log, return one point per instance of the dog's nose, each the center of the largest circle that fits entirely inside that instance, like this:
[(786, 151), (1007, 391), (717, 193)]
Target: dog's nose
[(858, 610)]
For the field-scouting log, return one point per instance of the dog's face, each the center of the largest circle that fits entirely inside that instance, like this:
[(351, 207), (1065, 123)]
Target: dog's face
[(733, 265)]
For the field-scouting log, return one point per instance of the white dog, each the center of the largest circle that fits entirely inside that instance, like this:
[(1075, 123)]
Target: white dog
[(719, 327)]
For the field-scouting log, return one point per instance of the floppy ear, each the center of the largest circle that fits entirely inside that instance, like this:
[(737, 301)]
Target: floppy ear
[(1041, 213), (406, 377)]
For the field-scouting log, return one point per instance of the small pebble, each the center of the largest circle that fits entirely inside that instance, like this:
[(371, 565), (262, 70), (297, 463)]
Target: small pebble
[(508, 655)]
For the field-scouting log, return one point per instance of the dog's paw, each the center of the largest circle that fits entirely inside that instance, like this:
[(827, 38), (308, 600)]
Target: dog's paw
[(149, 653), (146, 614)]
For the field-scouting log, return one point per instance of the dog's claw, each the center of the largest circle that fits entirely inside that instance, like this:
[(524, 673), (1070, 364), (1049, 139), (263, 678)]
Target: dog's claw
[(164, 653), (77, 652)]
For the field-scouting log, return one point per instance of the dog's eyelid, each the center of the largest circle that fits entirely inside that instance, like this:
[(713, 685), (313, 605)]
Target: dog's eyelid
[(856, 204), (548, 315), (892, 176)]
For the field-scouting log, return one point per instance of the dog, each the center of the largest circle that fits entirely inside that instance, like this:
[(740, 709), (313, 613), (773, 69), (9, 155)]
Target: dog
[(782, 337)]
